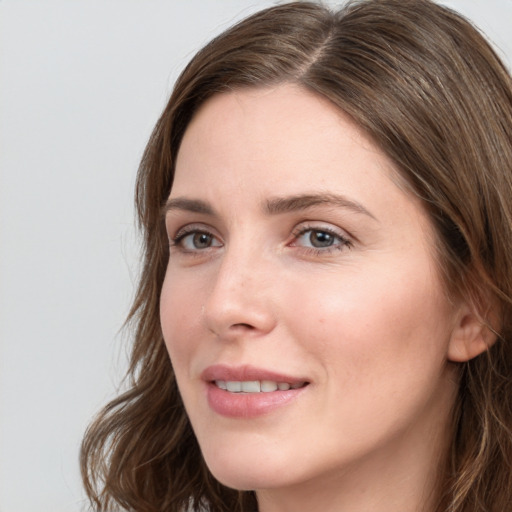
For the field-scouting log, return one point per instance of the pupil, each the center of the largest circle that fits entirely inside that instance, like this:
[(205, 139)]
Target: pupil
[(202, 240), (321, 239)]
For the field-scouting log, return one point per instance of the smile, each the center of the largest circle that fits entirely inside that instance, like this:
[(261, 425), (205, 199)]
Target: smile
[(257, 386), (245, 391)]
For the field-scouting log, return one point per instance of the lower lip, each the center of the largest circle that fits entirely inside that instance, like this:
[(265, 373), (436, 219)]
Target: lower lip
[(248, 405)]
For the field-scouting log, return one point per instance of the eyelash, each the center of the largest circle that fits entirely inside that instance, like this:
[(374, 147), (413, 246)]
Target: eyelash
[(182, 234), (340, 241)]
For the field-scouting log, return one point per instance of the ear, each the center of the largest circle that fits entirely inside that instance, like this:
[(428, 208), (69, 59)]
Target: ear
[(471, 336)]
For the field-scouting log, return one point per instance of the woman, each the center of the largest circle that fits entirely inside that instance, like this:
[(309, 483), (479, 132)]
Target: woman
[(326, 209)]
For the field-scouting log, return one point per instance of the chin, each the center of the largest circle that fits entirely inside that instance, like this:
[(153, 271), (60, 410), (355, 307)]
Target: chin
[(239, 479), (246, 473)]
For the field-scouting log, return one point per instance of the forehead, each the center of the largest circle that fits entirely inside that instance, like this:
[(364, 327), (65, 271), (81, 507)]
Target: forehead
[(284, 129)]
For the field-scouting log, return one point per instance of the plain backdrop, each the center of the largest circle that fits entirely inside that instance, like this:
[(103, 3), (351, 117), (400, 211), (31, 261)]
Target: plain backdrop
[(81, 84)]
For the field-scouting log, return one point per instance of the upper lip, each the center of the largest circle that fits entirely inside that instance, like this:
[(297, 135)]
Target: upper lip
[(246, 373)]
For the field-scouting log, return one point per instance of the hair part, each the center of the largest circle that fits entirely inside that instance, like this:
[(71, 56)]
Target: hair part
[(428, 89)]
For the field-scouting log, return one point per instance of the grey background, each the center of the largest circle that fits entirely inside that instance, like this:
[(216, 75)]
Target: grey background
[(81, 84)]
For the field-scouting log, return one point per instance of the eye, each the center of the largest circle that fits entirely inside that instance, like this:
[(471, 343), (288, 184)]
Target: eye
[(319, 239), (193, 240)]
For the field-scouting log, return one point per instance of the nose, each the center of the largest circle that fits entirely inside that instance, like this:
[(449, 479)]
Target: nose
[(239, 302)]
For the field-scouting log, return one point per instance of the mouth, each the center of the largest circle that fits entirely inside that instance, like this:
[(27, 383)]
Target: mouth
[(245, 392), (257, 386)]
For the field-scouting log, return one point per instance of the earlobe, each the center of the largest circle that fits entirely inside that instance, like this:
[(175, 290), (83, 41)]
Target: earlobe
[(471, 337)]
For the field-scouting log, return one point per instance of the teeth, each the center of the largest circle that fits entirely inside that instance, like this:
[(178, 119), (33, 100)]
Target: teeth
[(268, 385), (251, 386), (234, 387), (256, 386)]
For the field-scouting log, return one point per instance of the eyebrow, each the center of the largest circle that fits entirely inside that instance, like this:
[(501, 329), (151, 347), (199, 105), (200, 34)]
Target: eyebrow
[(279, 205), (189, 205), (273, 206)]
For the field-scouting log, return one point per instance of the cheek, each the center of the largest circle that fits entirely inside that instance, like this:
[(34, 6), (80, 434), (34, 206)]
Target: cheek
[(379, 347), (180, 309), (357, 322)]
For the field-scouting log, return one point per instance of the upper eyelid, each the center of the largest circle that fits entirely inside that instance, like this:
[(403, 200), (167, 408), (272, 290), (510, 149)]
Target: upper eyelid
[(316, 224), (183, 216), (322, 226), (192, 228), (342, 237)]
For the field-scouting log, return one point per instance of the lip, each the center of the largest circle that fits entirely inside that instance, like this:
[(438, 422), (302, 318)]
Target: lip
[(247, 405), (246, 372)]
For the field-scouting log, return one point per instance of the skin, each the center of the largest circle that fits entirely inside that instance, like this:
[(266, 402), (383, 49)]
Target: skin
[(366, 320)]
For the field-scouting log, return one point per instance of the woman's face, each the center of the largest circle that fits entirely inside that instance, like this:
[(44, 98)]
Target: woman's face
[(302, 279)]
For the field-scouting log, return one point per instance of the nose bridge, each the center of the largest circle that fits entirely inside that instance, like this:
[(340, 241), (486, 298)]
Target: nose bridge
[(239, 297)]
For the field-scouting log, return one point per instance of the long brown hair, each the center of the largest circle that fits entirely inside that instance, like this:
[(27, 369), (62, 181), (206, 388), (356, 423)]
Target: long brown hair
[(432, 94)]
